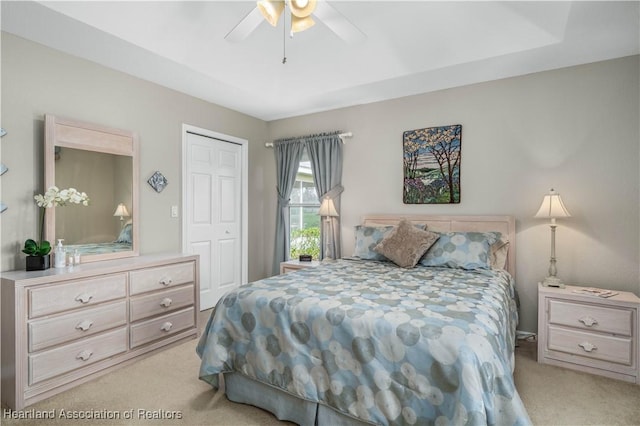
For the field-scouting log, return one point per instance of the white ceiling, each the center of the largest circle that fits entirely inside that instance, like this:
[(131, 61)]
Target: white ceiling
[(410, 47)]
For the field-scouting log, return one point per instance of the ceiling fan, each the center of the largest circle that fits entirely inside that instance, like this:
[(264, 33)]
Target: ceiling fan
[(301, 19)]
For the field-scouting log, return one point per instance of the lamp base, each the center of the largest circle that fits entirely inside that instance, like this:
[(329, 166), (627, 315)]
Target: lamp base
[(553, 282)]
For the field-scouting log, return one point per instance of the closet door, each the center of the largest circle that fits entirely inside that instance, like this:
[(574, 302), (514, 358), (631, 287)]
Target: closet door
[(213, 213)]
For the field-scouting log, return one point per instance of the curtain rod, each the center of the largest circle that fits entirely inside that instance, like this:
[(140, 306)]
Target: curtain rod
[(342, 137)]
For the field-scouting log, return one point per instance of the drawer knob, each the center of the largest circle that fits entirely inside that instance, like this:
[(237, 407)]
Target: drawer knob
[(84, 325), (166, 302), (84, 298), (165, 281), (588, 321), (588, 347), (84, 355), (166, 326)]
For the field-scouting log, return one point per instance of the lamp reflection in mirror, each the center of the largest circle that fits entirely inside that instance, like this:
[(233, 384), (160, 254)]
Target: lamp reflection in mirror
[(552, 207), (121, 211), (328, 210)]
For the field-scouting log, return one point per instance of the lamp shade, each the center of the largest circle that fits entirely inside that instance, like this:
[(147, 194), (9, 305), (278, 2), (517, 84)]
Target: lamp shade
[(121, 211), (302, 8), (271, 10), (301, 24), (552, 206), (327, 208)]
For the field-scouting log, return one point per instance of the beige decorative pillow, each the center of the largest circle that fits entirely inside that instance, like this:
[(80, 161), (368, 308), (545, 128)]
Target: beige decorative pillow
[(499, 252), (406, 244)]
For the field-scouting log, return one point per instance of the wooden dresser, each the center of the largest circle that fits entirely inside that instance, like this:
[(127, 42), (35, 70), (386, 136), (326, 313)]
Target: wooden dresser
[(589, 333), (62, 327)]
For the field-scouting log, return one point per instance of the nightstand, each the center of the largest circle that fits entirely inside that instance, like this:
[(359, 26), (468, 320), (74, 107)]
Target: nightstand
[(294, 265), (589, 333)]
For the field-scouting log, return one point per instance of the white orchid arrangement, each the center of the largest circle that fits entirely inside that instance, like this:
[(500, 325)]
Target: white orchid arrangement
[(54, 197)]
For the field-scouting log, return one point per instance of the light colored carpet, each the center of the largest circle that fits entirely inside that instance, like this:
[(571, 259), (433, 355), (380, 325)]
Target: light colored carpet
[(168, 382)]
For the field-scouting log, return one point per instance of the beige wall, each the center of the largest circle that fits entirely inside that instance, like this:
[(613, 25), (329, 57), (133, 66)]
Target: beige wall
[(37, 80), (574, 129)]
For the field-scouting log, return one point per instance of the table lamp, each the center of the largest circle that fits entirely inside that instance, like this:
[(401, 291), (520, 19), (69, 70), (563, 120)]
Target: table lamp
[(328, 210), (552, 207), (121, 211)]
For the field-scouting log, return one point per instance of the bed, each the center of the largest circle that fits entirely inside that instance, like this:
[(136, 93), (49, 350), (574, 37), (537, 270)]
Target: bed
[(364, 341), (124, 242)]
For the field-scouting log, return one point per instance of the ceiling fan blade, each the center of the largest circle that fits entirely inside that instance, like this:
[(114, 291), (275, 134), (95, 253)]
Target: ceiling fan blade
[(338, 23), (245, 27)]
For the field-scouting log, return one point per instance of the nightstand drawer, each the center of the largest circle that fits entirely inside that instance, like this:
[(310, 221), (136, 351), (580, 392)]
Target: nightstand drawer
[(76, 294), (591, 317), (47, 332), (51, 363), (158, 328), (162, 277), (602, 347), (161, 302)]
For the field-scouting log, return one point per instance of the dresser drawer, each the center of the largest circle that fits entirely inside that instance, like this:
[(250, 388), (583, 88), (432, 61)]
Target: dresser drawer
[(602, 347), (158, 328), (591, 317), (47, 332), (53, 362), (76, 294), (160, 302), (161, 277)]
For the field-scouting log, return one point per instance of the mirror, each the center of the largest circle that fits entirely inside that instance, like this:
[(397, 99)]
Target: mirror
[(102, 162)]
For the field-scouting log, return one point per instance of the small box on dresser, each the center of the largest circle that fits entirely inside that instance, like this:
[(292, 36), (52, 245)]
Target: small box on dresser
[(64, 326), (589, 333)]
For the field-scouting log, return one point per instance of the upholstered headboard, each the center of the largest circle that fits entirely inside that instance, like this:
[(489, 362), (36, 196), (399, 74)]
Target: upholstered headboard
[(503, 224)]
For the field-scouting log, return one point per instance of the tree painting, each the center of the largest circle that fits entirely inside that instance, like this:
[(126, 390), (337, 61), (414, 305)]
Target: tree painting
[(432, 165)]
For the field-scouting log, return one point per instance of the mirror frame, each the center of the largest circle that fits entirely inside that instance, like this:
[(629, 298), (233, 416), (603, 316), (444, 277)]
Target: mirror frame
[(69, 133)]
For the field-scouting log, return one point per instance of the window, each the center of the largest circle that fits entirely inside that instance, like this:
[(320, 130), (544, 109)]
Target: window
[(304, 222)]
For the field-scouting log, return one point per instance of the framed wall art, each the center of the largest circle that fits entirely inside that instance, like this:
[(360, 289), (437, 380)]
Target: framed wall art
[(158, 182), (431, 165)]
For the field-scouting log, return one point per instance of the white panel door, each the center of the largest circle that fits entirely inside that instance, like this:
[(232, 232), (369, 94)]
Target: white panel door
[(214, 213)]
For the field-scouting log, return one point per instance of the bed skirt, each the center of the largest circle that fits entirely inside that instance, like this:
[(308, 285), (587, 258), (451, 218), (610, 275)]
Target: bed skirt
[(284, 406)]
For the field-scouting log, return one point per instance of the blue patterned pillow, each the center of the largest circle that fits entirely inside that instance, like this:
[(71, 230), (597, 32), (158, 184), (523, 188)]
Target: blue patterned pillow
[(125, 234), (367, 237), (465, 250)]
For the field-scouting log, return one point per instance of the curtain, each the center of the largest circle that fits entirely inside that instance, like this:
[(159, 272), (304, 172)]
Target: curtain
[(325, 153), (288, 154)]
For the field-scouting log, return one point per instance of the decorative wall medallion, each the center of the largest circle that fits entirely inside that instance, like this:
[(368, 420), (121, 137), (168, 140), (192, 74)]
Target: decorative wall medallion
[(2, 132), (158, 181), (3, 169), (432, 165)]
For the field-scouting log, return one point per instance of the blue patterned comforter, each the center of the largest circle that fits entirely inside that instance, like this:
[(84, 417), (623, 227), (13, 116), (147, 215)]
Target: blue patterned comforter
[(377, 342)]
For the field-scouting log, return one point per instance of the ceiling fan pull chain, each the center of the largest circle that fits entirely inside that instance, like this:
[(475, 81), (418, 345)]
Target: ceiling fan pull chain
[(284, 42)]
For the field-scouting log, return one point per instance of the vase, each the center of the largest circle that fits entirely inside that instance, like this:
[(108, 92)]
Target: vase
[(38, 263)]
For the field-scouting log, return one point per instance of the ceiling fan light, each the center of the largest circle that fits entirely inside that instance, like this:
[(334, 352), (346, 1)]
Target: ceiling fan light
[(302, 8), (301, 24), (271, 10)]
